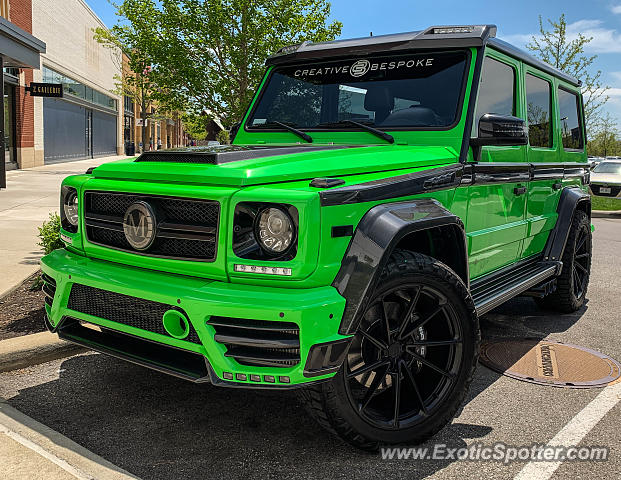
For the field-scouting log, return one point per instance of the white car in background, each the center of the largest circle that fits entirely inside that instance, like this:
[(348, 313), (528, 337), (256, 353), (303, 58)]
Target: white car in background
[(606, 178)]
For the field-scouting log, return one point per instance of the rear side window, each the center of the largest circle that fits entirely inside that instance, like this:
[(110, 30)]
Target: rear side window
[(497, 89), (571, 122), (538, 111)]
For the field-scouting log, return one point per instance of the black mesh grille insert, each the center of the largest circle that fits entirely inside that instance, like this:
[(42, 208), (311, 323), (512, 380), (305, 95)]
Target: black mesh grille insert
[(185, 157), (258, 343), (187, 228), (116, 307)]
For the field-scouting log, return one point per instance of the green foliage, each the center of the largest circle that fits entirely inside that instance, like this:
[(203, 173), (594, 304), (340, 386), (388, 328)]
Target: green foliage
[(49, 233), (210, 54), (195, 125), (223, 137), (605, 141), (553, 47)]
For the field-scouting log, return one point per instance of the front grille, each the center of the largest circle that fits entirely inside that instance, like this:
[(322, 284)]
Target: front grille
[(116, 307), (186, 228), (258, 343), (614, 191), (49, 289)]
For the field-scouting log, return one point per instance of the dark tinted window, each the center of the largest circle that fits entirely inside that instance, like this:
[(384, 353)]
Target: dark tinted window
[(571, 125), (497, 89), (538, 109), (416, 90)]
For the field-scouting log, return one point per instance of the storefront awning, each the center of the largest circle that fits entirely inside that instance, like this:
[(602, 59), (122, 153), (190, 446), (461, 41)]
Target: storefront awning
[(19, 48)]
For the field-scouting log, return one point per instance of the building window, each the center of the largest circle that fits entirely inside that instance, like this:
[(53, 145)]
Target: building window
[(79, 90), (497, 89), (538, 101), (571, 120), (128, 105)]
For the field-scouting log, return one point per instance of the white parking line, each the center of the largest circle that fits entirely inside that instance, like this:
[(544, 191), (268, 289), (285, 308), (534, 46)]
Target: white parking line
[(45, 454), (573, 433)]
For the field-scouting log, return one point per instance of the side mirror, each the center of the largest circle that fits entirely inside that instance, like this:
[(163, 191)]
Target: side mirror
[(497, 129)]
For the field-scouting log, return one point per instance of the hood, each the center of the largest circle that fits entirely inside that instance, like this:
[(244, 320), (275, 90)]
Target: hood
[(238, 166), (607, 178)]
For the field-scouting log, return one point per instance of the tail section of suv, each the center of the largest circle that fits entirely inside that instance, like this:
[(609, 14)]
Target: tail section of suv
[(379, 196)]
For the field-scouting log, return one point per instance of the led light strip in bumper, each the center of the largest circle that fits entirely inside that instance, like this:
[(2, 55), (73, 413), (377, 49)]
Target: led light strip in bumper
[(263, 269)]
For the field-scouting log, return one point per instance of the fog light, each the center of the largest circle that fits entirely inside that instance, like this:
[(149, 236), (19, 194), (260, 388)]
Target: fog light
[(284, 380), (240, 376), (227, 375), (255, 378), (269, 378)]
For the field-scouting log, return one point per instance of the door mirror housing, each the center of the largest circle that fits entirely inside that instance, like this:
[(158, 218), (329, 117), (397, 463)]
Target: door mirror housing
[(497, 129)]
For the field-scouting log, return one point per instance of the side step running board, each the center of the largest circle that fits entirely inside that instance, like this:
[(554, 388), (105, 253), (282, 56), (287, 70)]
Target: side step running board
[(495, 289)]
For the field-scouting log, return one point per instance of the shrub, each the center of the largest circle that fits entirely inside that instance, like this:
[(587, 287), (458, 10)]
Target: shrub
[(49, 233), (223, 137)]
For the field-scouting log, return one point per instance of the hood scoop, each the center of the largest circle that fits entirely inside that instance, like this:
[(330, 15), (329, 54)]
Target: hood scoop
[(220, 154)]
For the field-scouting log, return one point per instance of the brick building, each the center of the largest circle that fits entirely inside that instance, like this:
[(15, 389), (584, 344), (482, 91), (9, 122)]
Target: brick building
[(19, 54), (163, 130), (88, 120)]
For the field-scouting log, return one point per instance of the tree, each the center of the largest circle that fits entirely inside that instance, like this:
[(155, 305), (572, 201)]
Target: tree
[(605, 142), (554, 47), (134, 81), (208, 55), (195, 125)]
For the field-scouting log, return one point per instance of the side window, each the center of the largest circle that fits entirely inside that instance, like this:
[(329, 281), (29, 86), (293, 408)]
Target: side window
[(496, 91), (571, 122), (538, 110)]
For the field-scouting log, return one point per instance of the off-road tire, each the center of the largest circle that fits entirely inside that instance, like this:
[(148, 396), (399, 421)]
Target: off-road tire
[(564, 298), (328, 402)]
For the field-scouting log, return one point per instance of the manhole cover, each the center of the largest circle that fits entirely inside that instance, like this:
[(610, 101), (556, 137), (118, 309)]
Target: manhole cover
[(550, 363)]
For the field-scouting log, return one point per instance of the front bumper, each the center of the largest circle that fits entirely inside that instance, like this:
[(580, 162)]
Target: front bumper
[(316, 312)]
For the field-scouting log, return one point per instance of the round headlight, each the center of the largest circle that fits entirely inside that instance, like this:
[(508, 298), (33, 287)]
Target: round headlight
[(70, 206), (275, 230)]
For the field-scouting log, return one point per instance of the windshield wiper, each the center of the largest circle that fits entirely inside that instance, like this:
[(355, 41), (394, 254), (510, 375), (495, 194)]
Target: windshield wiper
[(299, 133), (378, 133)]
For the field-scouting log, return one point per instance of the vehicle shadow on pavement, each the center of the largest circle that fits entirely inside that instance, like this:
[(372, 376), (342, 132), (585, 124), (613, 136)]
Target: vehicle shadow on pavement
[(160, 427)]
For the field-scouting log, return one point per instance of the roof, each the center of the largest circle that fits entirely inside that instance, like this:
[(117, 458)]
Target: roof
[(456, 36), (18, 47)]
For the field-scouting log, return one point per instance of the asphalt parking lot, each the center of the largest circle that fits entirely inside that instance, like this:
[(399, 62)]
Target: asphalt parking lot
[(159, 427)]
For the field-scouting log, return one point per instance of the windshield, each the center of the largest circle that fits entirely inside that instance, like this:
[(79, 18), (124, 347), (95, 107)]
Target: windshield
[(608, 167), (404, 91)]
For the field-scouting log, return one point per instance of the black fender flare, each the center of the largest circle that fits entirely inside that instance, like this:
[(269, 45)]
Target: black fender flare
[(571, 199), (376, 236)]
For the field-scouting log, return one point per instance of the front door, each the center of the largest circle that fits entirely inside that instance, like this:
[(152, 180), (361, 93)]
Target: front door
[(495, 221)]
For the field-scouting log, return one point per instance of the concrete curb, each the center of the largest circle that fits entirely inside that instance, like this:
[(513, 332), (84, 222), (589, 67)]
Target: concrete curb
[(47, 446), (10, 290), (606, 213), (28, 350)]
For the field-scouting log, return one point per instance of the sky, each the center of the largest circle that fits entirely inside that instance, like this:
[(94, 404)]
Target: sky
[(517, 21)]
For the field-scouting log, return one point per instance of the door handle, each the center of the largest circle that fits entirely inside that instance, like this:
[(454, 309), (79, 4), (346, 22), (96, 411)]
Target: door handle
[(519, 190)]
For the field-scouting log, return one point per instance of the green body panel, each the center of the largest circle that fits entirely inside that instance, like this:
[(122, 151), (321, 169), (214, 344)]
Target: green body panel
[(317, 311), (501, 227)]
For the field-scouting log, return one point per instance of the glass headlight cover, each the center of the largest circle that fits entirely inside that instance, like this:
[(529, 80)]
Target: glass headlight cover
[(265, 231), (69, 209), (274, 230)]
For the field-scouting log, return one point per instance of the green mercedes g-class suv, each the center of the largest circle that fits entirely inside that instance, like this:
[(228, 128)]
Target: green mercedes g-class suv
[(379, 196)]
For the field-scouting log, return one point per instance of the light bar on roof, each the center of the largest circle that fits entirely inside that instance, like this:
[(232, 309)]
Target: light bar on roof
[(445, 30)]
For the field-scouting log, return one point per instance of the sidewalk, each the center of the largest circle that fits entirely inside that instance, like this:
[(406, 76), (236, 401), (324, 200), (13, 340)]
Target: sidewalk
[(27, 201)]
